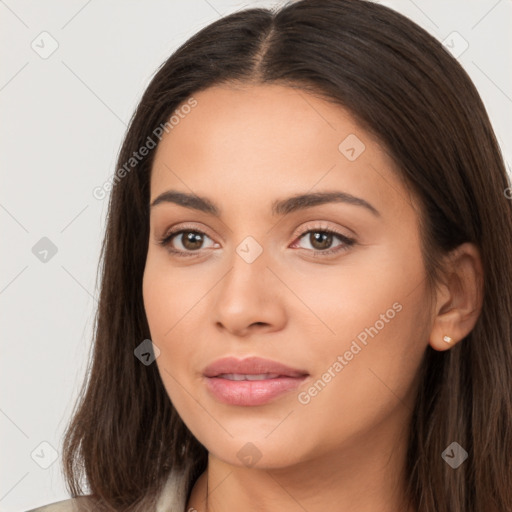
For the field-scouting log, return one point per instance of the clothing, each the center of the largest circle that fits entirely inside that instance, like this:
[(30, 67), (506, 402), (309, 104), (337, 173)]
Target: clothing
[(172, 499)]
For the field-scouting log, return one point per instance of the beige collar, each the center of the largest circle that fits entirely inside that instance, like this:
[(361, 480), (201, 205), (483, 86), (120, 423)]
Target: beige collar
[(175, 492)]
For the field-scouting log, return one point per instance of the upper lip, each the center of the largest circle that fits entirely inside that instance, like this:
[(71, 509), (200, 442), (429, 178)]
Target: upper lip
[(250, 366)]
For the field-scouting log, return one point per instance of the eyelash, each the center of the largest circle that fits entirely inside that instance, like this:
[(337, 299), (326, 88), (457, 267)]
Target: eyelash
[(347, 241)]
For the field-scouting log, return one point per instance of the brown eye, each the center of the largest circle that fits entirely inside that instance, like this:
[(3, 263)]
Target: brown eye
[(185, 241), (320, 240), (191, 240)]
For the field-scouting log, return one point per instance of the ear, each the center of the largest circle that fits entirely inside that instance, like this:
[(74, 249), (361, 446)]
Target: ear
[(459, 298)]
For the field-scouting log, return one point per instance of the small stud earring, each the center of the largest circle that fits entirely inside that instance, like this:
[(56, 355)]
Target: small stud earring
[(447, 339)]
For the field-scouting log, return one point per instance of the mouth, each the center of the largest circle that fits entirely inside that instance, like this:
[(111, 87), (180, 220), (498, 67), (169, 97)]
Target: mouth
[(251, 366), (248, 376), (252, 381)]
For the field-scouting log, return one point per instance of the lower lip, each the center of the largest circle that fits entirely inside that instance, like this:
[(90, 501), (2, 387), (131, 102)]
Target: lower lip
[(251, 392)]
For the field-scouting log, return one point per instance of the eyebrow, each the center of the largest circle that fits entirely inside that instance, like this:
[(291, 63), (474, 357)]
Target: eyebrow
[(279, 207)]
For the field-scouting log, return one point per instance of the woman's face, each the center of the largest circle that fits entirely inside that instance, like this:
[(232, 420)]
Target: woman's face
[(256, 274)]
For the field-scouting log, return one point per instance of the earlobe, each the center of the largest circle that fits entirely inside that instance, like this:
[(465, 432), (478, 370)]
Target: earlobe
[(459, 298), (446, 343)]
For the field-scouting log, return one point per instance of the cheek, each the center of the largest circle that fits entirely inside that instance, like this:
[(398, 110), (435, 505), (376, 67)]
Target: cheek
[(171, 295), (368, 372), (174, 306), (366, 288), (373, 381), (374, 316)]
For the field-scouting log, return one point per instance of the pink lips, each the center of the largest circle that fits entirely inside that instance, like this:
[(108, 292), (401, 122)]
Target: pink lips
[(250, 381), (250, 366)]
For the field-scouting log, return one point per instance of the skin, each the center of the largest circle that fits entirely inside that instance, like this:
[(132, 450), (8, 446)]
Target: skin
[(244, 147)]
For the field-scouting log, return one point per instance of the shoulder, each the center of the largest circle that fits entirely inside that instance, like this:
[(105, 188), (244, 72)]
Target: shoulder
[(173, 496), (80, 504)]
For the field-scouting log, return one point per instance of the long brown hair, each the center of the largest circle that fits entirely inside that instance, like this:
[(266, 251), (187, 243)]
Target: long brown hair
[(401, 85)]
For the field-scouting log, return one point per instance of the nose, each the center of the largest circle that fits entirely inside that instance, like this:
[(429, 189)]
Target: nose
[(250, 298)]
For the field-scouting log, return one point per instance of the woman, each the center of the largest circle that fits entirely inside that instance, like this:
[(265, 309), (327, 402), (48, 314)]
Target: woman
[(306, 293)]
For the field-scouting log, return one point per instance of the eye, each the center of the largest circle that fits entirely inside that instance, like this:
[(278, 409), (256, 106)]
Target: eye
[(321, 241), (190, 240)]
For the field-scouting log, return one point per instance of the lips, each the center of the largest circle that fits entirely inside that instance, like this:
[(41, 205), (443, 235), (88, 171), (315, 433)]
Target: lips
[(251, 381), (251, 366)]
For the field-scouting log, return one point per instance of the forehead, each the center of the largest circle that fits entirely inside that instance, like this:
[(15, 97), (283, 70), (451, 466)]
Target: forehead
[(267, 119), (270, 140)]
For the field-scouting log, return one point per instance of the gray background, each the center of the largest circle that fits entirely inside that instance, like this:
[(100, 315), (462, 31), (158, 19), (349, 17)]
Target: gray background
[(63, 119)]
